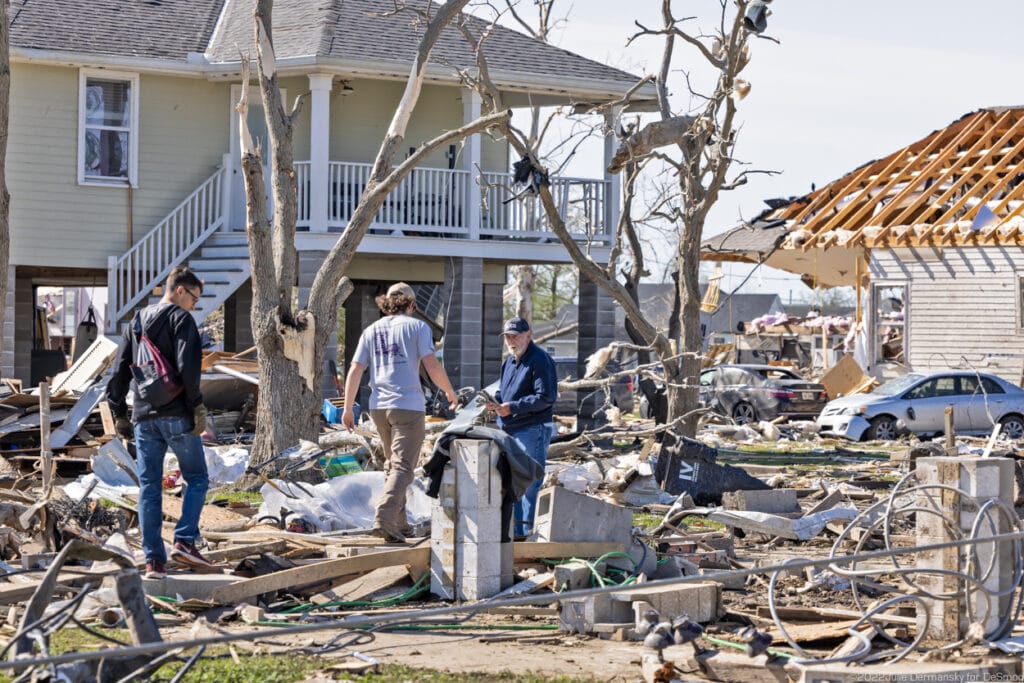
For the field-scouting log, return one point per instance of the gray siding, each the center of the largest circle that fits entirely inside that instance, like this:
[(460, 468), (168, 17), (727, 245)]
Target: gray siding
[(963, 306)]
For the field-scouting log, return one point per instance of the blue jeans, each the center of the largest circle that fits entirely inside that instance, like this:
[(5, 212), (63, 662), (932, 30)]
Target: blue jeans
[(152, 438), (534, 440)]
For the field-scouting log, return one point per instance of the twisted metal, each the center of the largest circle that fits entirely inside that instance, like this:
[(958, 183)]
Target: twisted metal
[(908, 504)]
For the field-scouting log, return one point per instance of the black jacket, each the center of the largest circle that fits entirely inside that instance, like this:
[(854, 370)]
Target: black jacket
[(174, 331)]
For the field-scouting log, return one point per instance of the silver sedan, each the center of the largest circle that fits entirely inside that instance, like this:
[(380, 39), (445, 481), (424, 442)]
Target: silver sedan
[(917, 403)]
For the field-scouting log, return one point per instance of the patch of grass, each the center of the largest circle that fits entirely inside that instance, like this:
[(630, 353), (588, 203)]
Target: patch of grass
[(646, 520), (234, 496), (215, 666), (698, 522)]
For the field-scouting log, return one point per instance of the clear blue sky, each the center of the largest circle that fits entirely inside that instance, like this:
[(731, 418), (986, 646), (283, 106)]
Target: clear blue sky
[(850, 82)]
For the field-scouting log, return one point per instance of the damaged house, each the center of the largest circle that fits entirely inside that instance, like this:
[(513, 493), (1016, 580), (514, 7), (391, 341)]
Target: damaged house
[(931, 238), (123, 162)]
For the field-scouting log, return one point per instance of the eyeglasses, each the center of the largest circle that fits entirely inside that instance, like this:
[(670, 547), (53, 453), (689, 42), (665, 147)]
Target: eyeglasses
[(195, 297)]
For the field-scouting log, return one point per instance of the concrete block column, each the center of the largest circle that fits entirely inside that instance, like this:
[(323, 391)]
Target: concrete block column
[(980, 480), (360, 312), (493, 320), (597, 330), (7, 357), (467, 561), (463, 357)]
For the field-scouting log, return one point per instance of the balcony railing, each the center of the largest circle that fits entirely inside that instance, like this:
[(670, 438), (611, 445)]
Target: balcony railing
[(438, 202)]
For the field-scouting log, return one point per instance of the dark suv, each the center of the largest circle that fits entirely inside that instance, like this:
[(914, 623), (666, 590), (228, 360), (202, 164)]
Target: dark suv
[(622, 390)]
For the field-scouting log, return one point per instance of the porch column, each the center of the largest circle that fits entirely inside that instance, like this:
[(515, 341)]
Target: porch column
[(319, 150), (597, 330), (470, 162), (463, 327), (493, 345), (613, 200)]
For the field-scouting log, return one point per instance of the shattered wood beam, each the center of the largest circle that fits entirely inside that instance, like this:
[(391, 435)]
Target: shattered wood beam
[(652, 136)]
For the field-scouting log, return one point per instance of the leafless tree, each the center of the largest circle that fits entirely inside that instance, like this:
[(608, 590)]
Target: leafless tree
[(697, 148), (291, 340)]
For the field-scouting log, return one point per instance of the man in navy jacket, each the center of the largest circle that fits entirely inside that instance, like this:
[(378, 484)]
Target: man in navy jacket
[(526, 398)]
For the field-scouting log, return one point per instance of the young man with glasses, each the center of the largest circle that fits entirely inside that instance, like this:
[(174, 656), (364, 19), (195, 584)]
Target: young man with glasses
[(177, 423)]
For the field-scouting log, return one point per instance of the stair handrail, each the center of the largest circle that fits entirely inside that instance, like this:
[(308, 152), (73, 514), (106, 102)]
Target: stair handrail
[(132, 276)]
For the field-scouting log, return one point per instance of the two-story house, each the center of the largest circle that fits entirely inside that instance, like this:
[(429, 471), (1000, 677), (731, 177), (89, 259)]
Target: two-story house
[(123, 161)]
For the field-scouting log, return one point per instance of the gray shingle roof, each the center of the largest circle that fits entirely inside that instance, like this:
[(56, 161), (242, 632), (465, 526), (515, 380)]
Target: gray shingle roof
[(760, 237), (165, 29), (344, 29)]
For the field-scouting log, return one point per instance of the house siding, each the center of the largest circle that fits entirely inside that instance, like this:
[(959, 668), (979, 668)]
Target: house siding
[(360, 120), (963, 308), (182, 135)]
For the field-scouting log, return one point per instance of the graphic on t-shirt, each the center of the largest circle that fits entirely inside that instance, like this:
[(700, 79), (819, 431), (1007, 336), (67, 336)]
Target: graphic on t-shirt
[(385, 348)]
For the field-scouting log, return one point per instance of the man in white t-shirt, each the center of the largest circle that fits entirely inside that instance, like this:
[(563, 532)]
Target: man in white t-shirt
[(393, 348)]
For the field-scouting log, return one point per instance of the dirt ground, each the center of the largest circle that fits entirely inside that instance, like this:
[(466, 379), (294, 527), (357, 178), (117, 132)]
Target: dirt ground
[(462, 652)]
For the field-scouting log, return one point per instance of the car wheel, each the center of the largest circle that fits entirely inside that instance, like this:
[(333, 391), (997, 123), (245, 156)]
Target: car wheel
[(1012, 427), (883, 428), (743, 412)]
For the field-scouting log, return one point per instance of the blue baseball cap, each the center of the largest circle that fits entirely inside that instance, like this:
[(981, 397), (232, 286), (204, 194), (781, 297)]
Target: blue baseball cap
[(515, 326)]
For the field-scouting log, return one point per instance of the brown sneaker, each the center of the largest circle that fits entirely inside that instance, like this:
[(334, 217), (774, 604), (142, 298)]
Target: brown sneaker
[(186, 552), (389, 534), (155, 570)]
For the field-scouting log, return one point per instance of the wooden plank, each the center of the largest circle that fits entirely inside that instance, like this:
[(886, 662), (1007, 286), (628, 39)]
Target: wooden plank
[(532, 550), (323, 571), (239, 552), (108, 419), (364, 586)]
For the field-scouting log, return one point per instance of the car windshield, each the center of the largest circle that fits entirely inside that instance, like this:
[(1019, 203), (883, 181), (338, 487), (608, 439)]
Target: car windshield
[(897, 385)]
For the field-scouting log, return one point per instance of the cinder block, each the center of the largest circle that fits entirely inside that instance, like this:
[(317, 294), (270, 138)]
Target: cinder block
[(563, 515), (575, 575), (478, 587), (508, 569), (700, 601), (774, 501), (478, 482), (578, 615), (442, 580), (478, 559)]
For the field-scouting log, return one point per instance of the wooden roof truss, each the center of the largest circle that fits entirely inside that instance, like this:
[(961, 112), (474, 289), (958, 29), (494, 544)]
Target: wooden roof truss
[(962, 185)]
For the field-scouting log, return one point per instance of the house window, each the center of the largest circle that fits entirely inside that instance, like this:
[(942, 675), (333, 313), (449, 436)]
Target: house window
[(108, 128), (890, 309)]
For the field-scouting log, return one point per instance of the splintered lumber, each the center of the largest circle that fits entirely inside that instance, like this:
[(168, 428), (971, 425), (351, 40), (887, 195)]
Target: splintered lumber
[(320, 572), (527, 551)]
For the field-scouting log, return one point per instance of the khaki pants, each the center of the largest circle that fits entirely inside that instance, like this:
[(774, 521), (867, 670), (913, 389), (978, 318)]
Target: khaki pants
[(402, 433)]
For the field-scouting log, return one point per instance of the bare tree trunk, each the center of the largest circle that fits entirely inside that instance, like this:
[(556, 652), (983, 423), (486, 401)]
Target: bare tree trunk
[(525, 276)]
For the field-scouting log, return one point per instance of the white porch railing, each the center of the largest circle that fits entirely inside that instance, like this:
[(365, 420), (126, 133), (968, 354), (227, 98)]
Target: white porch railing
[(433, 200), (582, 203), (132, 276)]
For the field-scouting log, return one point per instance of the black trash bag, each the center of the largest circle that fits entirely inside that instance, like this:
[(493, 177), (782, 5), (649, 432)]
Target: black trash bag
[(688, 466)]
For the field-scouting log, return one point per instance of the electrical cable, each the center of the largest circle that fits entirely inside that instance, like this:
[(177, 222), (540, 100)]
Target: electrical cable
[(923, 505)]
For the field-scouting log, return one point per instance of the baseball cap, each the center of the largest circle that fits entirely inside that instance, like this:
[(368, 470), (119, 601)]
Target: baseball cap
[(515, 326), (401, 288)]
